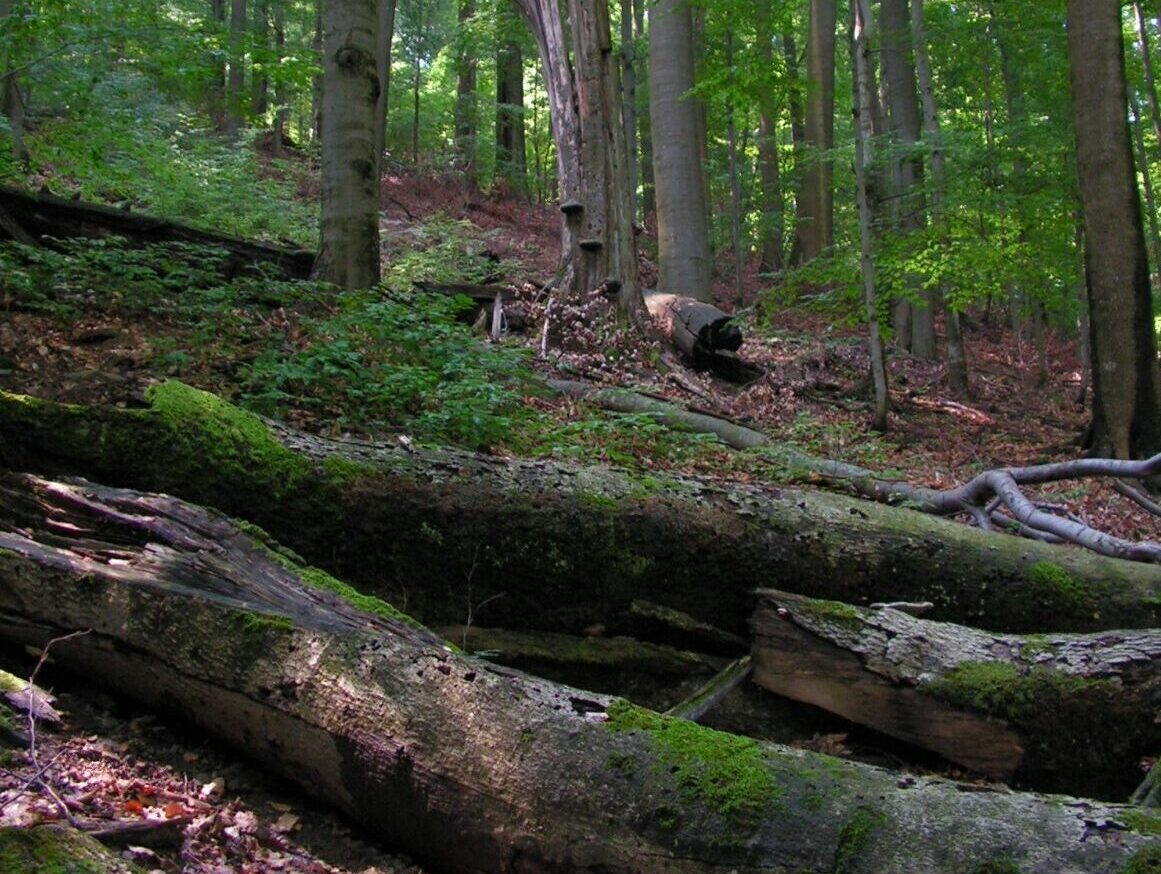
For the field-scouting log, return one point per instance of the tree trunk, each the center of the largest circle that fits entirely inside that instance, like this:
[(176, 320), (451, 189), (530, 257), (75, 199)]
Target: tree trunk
[(814, 224), (1147, 72), (1147, 185), (236, 77), (1055, 712), (465, 108), (510, 165), (902, 105), (957, 373), (864, 139), (599, 252), (570, 546), (645, 132), (11, 100), (259, 81), (384, 37), (383, 721), (629, 97), (281, 97), (678, 167), (735, 190), (770, 191), (1126, 419), (349, 235)]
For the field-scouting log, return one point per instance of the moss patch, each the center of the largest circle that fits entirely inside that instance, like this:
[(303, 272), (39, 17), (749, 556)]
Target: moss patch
[(1144, 861), (999, 689), (853, 838), (218, 436), (46, 850), (1056, 590), (1143, 820), (727, 773), (833, 612)]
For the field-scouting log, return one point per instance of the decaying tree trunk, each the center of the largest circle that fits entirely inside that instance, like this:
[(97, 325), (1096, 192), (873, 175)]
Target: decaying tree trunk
[(40, 215), (1053, 710), (440, 532), (467, 766)]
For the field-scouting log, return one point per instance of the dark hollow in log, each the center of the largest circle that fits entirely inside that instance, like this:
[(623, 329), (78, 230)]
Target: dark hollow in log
[(46, 215), (466, 766), (1057, 712), (569, 545), (704, 334)]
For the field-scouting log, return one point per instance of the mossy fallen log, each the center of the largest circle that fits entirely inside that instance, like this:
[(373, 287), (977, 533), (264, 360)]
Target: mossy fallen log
[(55, 850), (1059, 712), (568, 545), (465, 766)]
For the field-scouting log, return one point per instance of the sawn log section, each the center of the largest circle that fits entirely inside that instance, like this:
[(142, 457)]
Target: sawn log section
[(469, 767)]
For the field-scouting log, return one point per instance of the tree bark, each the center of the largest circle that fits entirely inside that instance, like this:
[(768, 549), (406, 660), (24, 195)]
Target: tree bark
[(814, 224), (679, 179), (599, 253), (1126, 418), (770, 192), (349, 234), (629, 97), (383, 721), (11, 100), (236, 77), (384, 37), (864, 140), (465, 107), (1055, 712), (1146, 185), (510, 144), (569, 546)]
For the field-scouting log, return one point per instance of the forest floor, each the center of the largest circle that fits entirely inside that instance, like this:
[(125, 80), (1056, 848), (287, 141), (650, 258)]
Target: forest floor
[(110, 762)]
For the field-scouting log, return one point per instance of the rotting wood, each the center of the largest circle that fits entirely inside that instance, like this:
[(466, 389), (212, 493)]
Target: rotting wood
[(46, 215), (712, 693), (461, 764), (570, 545), (1055, 711)]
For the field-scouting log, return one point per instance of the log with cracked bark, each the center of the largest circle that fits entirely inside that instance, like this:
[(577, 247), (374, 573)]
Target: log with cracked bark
[(569, 545), (467, 766), (1057, 711)]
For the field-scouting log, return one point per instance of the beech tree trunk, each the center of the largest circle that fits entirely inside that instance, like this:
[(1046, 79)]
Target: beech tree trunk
[(679, 178), (814, 224), (568, 546), (384, 37), (465, 765), (349, 235), (1054, 711), (236, 77), (1126, 417), (510, 147), (465, 107)]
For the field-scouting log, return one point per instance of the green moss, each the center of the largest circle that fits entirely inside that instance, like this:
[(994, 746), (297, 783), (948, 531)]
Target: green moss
[(997, 866), (999, 689), (1147, 860), (340, 471), (853, 838), (256, 623), (835, 612), (47, 850), (10, 682), (1143, 820), (597, 500), (320, 579), (1055, 589), (219, 437), (727, 773)]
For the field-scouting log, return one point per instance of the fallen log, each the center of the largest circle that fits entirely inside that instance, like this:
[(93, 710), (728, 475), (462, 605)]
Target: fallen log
[(36, 216), (463, 765), (1053, 711), (569, 545), (704, 334)]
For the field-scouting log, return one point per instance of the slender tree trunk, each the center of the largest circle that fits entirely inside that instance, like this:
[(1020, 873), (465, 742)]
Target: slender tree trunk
[(259, 81), (864, 137), (1147, 70), (316, 89), (629, 96), (678, 166), (645, 131), (510, 110), (915, 314), (236, 79), (1147, 185), (384, 37), (1126, 419), (769, 175), (957, 372), (814, 223), (416, 81), (281, 107), (465, 108), (349, 235), (735, 188), (11, 100)]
